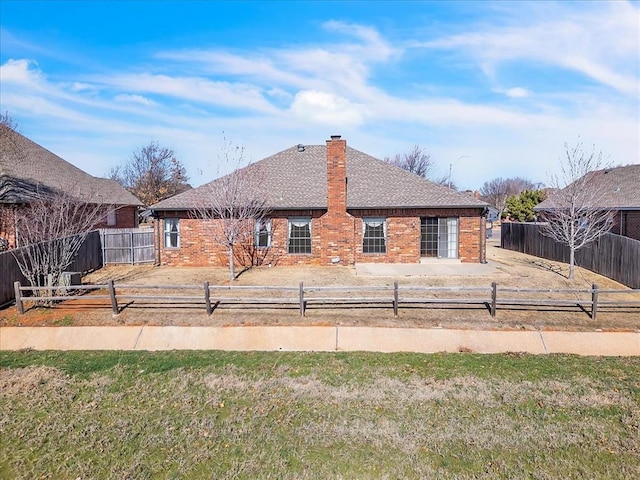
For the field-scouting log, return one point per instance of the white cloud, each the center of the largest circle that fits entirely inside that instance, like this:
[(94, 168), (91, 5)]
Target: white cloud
[(20, 72), (268, 99), (327, 108), (514, 92), (139, 99), (600, 42), (196, 89)]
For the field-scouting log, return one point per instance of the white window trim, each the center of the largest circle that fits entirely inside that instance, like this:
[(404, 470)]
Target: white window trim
[(375, 220), (112, 218), (167, 232), (300, 220), (258, 223)]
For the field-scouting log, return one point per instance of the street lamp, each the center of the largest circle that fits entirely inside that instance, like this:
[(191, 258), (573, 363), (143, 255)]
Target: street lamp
[(451, 165)]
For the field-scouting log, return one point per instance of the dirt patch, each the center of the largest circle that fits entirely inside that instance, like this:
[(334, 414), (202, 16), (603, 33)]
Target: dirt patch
[(513, 270)]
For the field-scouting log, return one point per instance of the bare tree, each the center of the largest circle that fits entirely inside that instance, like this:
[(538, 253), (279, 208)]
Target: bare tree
[(417, 161), (152, 174), (51, 229), (497, 191), (234, 202), (575, 214)]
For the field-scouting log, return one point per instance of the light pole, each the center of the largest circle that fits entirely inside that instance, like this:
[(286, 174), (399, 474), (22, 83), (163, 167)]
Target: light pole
[(451, 165)]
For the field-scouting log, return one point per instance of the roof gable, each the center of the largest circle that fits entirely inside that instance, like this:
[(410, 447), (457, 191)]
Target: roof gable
[(621, 189), (296, 178), (28, 170)]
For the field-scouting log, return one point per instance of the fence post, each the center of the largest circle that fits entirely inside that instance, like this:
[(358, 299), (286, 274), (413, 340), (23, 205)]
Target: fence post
[(594, 301), (133, 250), (19, 304), (395, 298), (301, 294), (494, 297), (207, 297), (112, 294)]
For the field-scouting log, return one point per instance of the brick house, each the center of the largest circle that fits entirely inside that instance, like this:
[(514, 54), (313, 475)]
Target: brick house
[(621, 187), (332, 204), (28, 170)]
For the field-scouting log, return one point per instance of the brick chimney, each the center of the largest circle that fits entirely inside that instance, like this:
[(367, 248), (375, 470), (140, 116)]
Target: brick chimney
[(336, 174), (337, 226)]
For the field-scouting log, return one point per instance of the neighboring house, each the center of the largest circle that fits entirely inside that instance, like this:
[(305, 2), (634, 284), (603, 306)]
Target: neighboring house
[(28, 170), (332, 204), (621, 186)]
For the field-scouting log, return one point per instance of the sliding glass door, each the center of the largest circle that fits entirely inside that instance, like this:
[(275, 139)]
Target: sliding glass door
[(439, 237)]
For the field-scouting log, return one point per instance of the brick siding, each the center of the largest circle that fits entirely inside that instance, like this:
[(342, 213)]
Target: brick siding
[(627, 223), (126, 217), (336, 234), (332, 237)]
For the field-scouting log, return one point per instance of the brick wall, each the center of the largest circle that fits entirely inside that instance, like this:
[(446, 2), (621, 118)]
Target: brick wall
[(126, 217), (7, 224), (631, 224), (336, 234), (198, 247), (627, 223)]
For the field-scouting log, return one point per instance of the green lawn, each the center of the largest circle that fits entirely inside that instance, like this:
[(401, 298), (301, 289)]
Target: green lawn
[(219, 415)]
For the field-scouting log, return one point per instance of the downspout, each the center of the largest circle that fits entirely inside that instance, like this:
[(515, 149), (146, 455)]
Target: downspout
[(483, 236), (157, 242)]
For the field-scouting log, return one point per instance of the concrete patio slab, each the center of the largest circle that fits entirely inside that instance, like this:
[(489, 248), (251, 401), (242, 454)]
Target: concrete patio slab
[(424, 269)]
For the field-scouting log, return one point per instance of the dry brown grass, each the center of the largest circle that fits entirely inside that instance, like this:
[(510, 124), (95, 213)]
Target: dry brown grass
[(512, 269), (308, 416)]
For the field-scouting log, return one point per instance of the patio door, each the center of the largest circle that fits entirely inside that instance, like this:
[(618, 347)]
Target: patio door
[(439, 237)]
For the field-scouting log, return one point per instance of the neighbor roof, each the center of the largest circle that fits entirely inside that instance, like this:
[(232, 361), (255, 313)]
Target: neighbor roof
[(297, 180), (28, 170), (621, 187)]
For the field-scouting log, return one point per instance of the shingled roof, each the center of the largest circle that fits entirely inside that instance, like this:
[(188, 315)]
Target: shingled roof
[(28, 170), (621, 187), (297, 180)]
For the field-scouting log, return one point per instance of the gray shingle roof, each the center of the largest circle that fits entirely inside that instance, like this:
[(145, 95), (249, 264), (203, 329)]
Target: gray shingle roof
[(27, 169), (621, 188), (297, 180)]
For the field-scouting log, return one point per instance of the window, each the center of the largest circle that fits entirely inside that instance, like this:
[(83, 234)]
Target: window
[(374, 234), (299, 235), (112, 218), (172, 232), (263, 233)]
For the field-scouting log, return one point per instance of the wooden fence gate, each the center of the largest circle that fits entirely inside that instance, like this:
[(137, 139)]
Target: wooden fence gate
[(127, 245)]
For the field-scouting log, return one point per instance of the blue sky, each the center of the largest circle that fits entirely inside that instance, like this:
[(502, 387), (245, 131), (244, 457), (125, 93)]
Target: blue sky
[(493, 88)]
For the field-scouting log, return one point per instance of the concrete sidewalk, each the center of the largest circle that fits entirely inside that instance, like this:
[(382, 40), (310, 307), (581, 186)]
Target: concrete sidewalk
[(321, 339)]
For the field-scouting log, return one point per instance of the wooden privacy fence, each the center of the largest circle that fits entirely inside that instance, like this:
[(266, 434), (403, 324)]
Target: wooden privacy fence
[(304, 297), (88, 258), (128, 245), (613, 256)]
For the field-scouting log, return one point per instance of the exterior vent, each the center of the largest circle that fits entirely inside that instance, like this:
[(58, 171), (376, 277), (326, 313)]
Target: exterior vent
[(336, 137), (300, 148)]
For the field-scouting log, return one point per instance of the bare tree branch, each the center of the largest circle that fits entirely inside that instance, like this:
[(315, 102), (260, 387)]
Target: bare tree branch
[(497, 191), (50, 230), (152, 174), (576, 215), (234, 202), (417, 161)]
